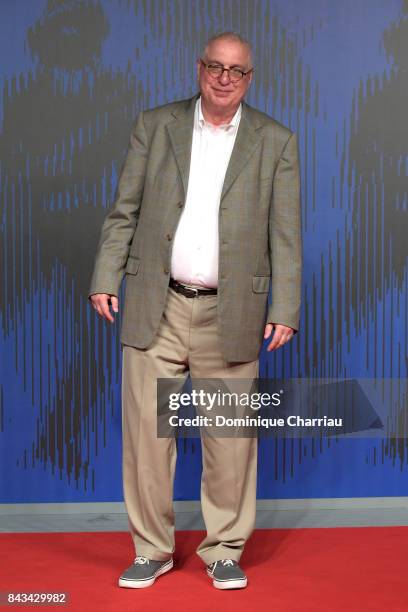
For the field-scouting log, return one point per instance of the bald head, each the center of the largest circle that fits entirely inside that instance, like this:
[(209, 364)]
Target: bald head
[(229, 37)]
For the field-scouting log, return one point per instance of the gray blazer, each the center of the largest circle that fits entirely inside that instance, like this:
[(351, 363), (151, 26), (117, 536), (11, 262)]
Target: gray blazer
[(259, 228)]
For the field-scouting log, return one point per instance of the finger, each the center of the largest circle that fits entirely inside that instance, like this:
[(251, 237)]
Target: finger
[(103, 302), (95, 303), (93, 299), (98, 309), (275, 341), (283, 341), (272, 346), (115, 303), (268, 330), (285, 338)]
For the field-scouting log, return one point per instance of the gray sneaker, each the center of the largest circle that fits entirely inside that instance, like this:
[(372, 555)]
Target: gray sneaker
[(227, 574), (144, 572)]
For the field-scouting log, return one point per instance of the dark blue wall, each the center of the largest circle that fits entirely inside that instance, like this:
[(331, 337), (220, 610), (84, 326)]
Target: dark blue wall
[(74, 76)]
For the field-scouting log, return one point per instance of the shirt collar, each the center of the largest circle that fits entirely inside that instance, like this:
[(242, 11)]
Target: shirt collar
[(200, 121)]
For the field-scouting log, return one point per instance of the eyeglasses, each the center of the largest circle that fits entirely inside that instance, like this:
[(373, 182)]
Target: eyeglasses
[(217, 70)]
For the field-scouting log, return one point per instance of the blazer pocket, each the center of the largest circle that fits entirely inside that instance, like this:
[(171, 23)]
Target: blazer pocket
[(260, 284), (132, 265)]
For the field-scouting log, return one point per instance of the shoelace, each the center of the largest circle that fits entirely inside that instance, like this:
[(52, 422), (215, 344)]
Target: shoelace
[(141, 560), (223, 561)]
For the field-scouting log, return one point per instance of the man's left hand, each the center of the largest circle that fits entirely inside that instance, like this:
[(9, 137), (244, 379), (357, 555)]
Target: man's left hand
[(282, 334)]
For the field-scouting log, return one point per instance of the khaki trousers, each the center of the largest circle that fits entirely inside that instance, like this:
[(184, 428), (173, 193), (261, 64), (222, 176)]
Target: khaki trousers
[(186, 341)]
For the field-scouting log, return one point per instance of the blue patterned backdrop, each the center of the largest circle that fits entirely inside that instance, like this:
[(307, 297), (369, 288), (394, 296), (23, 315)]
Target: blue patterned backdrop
[(74, 75)]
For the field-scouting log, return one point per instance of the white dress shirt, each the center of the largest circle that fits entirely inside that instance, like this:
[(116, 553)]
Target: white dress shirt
[(194, 259)]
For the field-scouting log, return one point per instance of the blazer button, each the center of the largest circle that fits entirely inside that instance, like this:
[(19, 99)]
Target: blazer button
[(168, 236), (179, 204), (166, 270)]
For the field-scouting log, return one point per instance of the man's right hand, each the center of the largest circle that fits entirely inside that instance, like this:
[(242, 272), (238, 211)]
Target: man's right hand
[(100, 303)]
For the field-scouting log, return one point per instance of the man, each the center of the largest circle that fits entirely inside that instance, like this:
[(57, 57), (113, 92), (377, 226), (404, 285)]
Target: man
[(206, 215)]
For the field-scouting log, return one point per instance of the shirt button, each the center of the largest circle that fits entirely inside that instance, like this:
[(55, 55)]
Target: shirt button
[(166, 270)]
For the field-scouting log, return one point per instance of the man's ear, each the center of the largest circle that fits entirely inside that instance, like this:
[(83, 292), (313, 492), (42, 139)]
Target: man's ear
[(198, 66)]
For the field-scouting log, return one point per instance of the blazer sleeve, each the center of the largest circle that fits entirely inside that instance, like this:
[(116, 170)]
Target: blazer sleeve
[(285, 242), (120, 223)]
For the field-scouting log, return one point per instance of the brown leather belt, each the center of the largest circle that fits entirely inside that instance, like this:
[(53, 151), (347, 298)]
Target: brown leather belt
[(190, 292)]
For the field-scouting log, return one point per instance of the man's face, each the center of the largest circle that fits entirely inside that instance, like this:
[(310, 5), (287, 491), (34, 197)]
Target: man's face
[(220, 93)]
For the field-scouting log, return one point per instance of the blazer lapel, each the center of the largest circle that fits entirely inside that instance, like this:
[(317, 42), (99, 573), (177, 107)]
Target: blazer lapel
[(181, 137), (247, 139)]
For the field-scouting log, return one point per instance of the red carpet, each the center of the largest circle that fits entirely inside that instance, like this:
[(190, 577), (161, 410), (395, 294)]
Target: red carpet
[(348, 569)]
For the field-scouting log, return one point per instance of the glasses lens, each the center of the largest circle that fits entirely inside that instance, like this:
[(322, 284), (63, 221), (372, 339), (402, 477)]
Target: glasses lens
[(235, 75), (214, 69)]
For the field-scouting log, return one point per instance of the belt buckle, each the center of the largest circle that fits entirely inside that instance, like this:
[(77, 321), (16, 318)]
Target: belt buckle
[(193, 289)]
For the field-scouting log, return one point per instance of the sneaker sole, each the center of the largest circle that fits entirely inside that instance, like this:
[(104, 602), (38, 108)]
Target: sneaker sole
[(146, 582), (241, 583)]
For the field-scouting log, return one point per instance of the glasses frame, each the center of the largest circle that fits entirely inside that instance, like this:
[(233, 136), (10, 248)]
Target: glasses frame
[(225, 69)]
